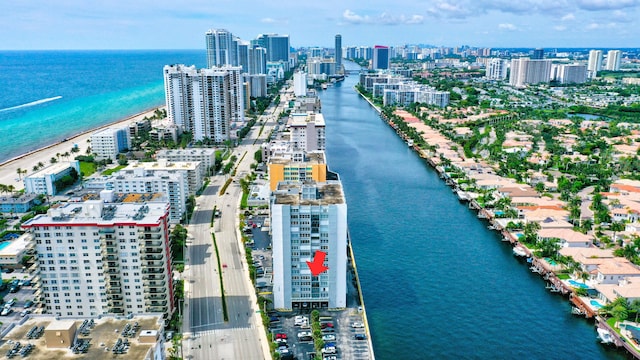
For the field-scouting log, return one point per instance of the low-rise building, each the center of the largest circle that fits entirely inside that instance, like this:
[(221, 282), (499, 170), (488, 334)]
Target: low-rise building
[(18, 203), (46, 180), (191, 169), (206, 157), (108, 143), (12, 251)]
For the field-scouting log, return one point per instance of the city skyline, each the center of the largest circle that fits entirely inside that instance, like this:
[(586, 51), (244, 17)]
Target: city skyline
[(40, 25)]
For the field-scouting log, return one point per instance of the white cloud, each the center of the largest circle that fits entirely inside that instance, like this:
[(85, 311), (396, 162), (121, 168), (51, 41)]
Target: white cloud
[(599, 26), (560, 28), (382, 19), (596, 5), (507, 26), (446, 9), (568, 17)]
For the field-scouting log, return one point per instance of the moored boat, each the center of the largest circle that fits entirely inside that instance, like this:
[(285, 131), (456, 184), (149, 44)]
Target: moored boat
[(605, 336), (519, 251)]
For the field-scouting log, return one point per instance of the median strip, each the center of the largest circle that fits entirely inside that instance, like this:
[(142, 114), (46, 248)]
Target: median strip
[(225, 314)]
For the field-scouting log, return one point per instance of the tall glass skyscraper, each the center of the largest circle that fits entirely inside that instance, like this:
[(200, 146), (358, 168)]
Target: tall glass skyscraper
[(222, 48), (380, 57), (338, 52)]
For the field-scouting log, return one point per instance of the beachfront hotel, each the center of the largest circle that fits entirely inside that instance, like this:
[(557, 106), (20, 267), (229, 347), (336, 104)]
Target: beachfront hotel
[(204, 102), (108, 143), (45, 181), (96, 257), (309, 216), (192, 171)]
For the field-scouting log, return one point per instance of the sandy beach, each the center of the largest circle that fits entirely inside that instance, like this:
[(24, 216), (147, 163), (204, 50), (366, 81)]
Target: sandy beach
[(8, 169)]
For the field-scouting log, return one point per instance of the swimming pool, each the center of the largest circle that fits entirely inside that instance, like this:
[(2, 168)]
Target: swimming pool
[(4, 244), (551, 261), (579, 285), (595, 304)]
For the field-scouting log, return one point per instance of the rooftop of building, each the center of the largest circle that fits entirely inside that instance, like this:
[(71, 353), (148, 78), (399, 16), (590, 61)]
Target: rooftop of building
[(164, 165), (99, 212), (192, 151), (327, 193), (16, 246), (310, 158), (303, 119), (104, 334), (17, 198), (52, 169), (108, 131)]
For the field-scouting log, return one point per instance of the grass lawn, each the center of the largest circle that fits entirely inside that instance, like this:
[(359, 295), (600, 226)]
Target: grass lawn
[(111, 171), (87, 168), (612, 322), (243, 201), (564, 276)]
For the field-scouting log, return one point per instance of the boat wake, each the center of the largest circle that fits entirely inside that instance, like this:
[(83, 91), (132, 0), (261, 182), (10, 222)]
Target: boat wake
[(33, 103)]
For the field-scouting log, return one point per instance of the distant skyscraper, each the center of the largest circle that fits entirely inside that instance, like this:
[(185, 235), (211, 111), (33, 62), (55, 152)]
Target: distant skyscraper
[(300, 83), (613, 60), (222, 48), (243, 55), (204, 102), (380, 57), (595, 63), (257, 60), (527, 71), (572, 74), (338, 52), (538, 54), (496, 69), (277, 46)]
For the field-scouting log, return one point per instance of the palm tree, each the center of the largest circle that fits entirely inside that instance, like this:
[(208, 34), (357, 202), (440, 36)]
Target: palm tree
[(35, 168), (635, 307), (66, 155), (40, 165), (19, 171), (53, 160)]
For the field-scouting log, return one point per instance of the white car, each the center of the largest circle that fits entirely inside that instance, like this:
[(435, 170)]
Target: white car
[(329, 350), (328, 337), (299, 320), (24, 312), (6, 311), (357, 325), (304, 334)]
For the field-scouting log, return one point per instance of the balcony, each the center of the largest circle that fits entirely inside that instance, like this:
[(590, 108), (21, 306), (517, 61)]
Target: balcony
[(155, 297), (153, 243), (153, 277), (152, 264), (113, 286), (154, 257), (115, 297), (151, 230), (150, 236), (154, 289), (157, 309), (150, 250), (114, 277), (155, 303), (153, 271)]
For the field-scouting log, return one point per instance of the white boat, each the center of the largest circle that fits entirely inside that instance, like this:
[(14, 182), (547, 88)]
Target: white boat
[(519, 251), (605, 336), (409, 142)]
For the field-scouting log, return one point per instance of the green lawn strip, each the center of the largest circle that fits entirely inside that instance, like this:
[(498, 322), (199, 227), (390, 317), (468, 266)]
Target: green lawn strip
[(225, 314), (225, 186), (111, 171), (562, 276), (87, 168), (243, 202)]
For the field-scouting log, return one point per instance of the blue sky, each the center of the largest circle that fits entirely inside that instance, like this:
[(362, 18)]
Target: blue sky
[(164, 24)]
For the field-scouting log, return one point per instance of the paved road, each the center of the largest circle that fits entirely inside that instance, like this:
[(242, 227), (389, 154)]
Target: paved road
[(206, 334)]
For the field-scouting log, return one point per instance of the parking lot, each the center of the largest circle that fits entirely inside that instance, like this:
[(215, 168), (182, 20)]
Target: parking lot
[(342, 334), (24, 294)]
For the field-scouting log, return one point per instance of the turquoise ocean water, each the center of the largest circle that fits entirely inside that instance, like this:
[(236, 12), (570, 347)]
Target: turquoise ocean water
[(46, 96)]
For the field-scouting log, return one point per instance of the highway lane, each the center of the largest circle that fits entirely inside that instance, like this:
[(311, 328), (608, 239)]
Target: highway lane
[(206, 334)]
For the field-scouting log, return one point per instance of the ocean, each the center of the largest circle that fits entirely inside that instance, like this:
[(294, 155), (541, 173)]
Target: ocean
[(47, 96)]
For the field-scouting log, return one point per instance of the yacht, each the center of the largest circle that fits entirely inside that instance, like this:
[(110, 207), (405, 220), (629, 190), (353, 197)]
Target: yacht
[(605, 336), (519, 251)]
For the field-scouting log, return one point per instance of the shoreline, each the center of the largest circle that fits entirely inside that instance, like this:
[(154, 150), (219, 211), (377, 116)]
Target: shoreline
[(77, 135), (26, 161)]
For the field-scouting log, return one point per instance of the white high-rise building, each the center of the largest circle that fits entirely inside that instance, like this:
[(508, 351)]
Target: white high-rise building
[(173, 184), (204, 102), (222, 48), (527, 71), (108, 143), (257, 60), (206, 157), (496, 69), (307, 217), (614, 57), (96, 258), (300, 83), (572, 73), (307, 131), (595, 63), (192, 171)]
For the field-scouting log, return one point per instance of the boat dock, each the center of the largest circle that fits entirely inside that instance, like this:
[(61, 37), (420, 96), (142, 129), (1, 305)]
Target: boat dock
[(617, 339)]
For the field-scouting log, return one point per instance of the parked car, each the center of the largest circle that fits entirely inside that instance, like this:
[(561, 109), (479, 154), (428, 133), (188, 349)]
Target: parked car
[(357, 325), (11, 302), (328, 337), (329, 350), (299, 320), (281, 336), (28, 304), (24, 312), (6, 311), (360, 337)]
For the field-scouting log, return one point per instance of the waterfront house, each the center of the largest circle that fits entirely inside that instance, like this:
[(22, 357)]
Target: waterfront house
[(567, 237), (628, 288), (588, 258), (518, 191), (614, 270)]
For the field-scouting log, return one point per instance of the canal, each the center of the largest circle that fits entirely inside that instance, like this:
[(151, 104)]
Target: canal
[(437, 283)]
